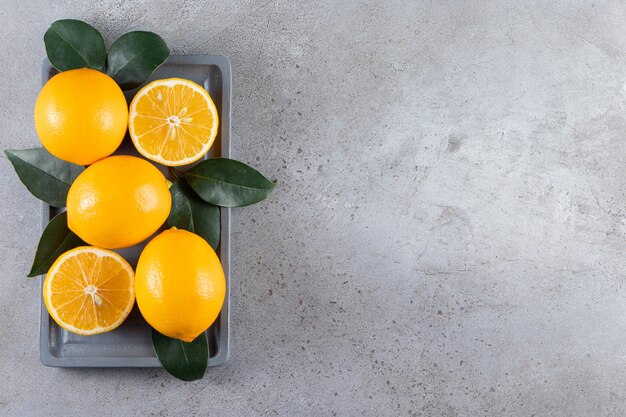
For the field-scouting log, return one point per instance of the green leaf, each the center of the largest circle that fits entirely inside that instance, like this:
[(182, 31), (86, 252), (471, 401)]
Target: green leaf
[(46, 177), (74, 44), (228, 183), (193, 214), (186, 361), (56, 239), (134, 56)]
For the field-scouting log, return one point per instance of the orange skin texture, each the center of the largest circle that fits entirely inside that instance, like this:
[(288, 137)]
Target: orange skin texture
[(179, 284), (118, 202), (81, 116)]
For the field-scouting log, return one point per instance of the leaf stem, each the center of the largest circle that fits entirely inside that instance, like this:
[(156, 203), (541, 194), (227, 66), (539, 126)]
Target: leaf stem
[(176, 173)]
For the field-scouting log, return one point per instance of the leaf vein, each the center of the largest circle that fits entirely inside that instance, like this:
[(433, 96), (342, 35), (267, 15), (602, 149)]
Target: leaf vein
[(231, 183), (184, 353), (113, 75), (54, 253), (72, 46)]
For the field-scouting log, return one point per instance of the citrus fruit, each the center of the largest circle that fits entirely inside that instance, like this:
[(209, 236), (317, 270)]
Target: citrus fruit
[(118, 202), (89, 290), (179, 284), (81, 116), (172, 121)]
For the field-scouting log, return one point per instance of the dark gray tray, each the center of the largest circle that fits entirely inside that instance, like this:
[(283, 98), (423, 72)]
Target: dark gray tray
[(130, 344)]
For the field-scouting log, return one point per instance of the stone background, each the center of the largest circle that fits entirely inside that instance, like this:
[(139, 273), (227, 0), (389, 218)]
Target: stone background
[(448, 236)]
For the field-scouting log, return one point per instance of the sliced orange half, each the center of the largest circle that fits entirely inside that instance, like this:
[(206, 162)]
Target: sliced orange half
[(172, 121), (89, 290)]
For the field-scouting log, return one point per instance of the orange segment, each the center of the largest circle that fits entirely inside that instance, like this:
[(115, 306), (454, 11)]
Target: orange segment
[(173, 121), (89, 290)]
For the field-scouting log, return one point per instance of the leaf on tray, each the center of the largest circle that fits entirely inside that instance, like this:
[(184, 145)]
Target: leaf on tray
[(134, 56), (186, 361), (191, 213), (46, 177), (72, 44), (228, 183), (56, 239)]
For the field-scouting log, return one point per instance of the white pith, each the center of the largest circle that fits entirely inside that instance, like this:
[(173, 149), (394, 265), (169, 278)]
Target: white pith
[(91, 290), (171, 83)]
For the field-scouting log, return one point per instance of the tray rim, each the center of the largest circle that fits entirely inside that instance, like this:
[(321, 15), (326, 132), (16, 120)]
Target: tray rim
[(223, 351)]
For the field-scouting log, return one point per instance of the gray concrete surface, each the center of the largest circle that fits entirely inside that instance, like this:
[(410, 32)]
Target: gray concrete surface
[(448, 237)]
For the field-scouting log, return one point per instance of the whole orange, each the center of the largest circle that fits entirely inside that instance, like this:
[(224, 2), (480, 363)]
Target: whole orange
[(118, 202), (81, 116), (179, 284)]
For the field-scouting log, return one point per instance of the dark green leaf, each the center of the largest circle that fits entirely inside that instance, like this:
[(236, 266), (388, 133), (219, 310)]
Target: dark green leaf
[(74, 44), (186, 361), (193, 214), (46, 177), (134, 56), (228, 183), (55, 240)]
